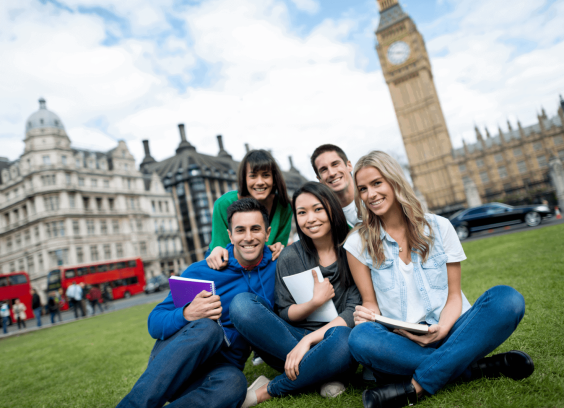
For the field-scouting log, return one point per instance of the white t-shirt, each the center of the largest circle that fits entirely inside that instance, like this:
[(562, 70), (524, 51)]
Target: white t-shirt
[(350, 214), (453, 250)]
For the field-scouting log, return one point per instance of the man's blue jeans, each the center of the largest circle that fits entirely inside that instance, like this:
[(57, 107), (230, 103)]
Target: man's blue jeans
[(274, 338), (187, 370), (37, 311), (478, 332), (5, 321)]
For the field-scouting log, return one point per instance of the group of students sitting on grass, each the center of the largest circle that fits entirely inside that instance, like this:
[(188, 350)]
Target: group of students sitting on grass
[(379, 254)]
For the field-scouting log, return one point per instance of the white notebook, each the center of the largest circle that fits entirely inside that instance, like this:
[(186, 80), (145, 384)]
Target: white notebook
[(300, 286)]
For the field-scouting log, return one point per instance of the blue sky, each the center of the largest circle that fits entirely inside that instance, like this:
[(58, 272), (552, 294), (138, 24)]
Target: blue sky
[(281, 74)]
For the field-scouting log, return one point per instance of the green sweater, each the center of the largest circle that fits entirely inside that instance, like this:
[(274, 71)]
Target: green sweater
[(280, 225)]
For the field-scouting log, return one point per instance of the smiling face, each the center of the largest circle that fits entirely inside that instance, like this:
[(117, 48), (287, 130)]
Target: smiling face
[(375, 191), (248, 236), (312, 218), (259, 183), (333, 171)]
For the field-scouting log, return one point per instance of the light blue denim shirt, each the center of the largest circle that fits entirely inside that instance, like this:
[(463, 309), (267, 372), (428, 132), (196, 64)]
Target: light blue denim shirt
[(430, 277)]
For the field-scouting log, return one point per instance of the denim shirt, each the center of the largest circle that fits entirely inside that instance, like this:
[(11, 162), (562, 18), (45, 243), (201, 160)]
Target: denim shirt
[(430, 277)]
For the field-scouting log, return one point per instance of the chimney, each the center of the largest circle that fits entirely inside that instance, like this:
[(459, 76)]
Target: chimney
[(184, 144), (292, 168), (222, 152), (148, 158), (247, 148)]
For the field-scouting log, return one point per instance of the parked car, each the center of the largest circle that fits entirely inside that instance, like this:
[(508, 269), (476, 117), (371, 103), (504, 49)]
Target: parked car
[(496, 215), (156, 284)]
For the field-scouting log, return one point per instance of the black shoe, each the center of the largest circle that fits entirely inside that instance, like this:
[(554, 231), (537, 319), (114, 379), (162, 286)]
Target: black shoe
[(390, 396), (514, 364)]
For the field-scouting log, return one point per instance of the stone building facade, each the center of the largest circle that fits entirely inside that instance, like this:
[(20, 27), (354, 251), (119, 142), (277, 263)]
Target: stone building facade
[(63, 206), (196, 180)]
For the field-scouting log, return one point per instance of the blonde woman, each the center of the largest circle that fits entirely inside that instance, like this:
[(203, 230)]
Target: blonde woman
[(406, 265), (19, 313)]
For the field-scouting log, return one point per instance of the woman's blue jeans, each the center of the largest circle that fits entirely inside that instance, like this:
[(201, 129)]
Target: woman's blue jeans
[(188, 370), (274, 338), (478, 332)]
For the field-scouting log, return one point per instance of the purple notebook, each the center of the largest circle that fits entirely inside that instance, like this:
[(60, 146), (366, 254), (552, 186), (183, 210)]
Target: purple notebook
[(184, 290)]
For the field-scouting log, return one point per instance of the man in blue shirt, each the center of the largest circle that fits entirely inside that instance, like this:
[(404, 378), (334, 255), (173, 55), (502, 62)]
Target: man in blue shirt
[(191, 364)]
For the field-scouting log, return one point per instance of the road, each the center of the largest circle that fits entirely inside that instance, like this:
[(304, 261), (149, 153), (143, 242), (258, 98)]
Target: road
[(513, 229), (68, 316)]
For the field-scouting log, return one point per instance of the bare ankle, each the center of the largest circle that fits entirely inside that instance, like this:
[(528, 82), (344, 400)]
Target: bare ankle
[(262, 394), (418, 389)]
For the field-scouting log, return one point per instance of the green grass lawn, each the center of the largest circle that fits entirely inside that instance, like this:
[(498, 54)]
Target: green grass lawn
[(95, 362)]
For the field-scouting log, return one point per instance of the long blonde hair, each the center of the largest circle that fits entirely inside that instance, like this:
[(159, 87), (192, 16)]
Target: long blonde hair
[(370, 228)]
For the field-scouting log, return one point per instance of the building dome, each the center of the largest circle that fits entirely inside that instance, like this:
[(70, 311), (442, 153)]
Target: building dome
[(43, 118)]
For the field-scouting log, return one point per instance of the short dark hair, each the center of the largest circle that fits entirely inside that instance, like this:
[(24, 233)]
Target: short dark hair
[(262, 160), (247, 204), (324, 149)]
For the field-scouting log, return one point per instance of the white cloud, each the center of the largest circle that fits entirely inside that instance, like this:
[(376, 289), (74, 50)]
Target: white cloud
[(309, 6)]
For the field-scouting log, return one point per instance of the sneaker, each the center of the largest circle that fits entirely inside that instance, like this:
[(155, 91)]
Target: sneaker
[(332, 389), (251, 398), (257, 361)]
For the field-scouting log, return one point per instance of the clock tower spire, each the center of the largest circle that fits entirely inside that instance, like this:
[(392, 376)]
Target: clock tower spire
[(407, 71)]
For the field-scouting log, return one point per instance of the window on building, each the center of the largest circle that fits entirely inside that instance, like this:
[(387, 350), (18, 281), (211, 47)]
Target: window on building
[(160, 206), (36, 233), (59, 257), (79, 255), (153, 206), (9, 243), (119, 251), (64, 160), (91, 164), (77, 163), (129, 184), (12, 266), (18, 240), (498, 157), (502, 172), (27, 236), (90, 227), (86, 203), (72, 201), (30, 265), (197, 185), (67, 178), (94, 253), (166, 206), (479, 162), (558, 140), (484, 177), (106, 183), (542, 161), (94, 182), (522, 166), (51, 202), (143, 248), (107, 252), (462, 167), (115, 226), (48, 180), (111, 203), (103, 227), (537, 146), (32, 205), (81, 181), (139, 223), (561, 154), (98, 203), (517, 152), (204, 215), (21, 264), (40, 262), (46, 160), (75, 228)]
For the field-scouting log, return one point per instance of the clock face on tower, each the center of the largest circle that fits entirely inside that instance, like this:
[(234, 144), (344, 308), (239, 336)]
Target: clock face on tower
[(398, 52)]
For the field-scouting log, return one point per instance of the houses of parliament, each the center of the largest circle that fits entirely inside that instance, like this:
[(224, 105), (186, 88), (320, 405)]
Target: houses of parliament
[(510, 166)]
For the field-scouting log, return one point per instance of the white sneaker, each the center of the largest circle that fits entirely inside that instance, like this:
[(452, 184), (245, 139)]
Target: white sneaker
[(332, 389), (251, 398), (257, 361)]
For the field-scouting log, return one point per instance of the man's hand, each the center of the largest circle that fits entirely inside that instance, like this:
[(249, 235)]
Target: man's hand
[(436, 333), (322, 291), (218, 258), (276, 249), (363, 314), (294, 358), (203, 306)]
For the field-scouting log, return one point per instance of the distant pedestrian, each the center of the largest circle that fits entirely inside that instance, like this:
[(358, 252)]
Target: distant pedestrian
[(83, 300), (62, 299), (53, 306), (36, 306), (74, 294), (107, 296), (95, 295), (19, 312), (5, 313)]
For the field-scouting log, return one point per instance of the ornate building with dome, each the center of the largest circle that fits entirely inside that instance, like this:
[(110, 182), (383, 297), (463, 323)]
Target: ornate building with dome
[(64, 206)]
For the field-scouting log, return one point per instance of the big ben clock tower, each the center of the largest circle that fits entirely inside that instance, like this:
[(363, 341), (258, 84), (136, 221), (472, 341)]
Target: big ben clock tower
[(407, 71)]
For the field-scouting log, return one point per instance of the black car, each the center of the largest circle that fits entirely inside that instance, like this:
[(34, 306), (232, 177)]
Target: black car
[(496, 215), (156, 284)]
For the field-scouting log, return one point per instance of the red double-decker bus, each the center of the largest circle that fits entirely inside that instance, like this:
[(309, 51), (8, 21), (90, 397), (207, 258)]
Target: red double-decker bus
[(124, 277), (15, 285)]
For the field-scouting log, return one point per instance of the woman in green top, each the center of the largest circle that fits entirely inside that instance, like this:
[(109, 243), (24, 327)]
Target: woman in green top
[(259, 177)]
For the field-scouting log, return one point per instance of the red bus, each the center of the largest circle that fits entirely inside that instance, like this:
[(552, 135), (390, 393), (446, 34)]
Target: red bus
[(124, 277), (15, 285)]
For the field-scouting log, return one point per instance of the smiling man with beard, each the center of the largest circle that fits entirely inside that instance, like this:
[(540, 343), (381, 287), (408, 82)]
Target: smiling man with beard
[(191, 364)]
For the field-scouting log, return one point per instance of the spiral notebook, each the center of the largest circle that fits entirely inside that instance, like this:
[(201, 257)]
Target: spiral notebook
[(184, 290)]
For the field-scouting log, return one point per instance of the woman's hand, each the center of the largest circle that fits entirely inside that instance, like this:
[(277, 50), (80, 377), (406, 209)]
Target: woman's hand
[(322, 291), (363, 314), (436, 333), (294, 357), (276, 249), (218, 258)]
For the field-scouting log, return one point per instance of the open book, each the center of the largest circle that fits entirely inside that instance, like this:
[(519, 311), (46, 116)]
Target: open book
[(414, 328), (184, 290), (300, 286)]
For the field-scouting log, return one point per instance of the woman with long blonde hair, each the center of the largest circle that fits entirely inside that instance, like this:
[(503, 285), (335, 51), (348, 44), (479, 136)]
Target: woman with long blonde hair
[(406, 265)]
